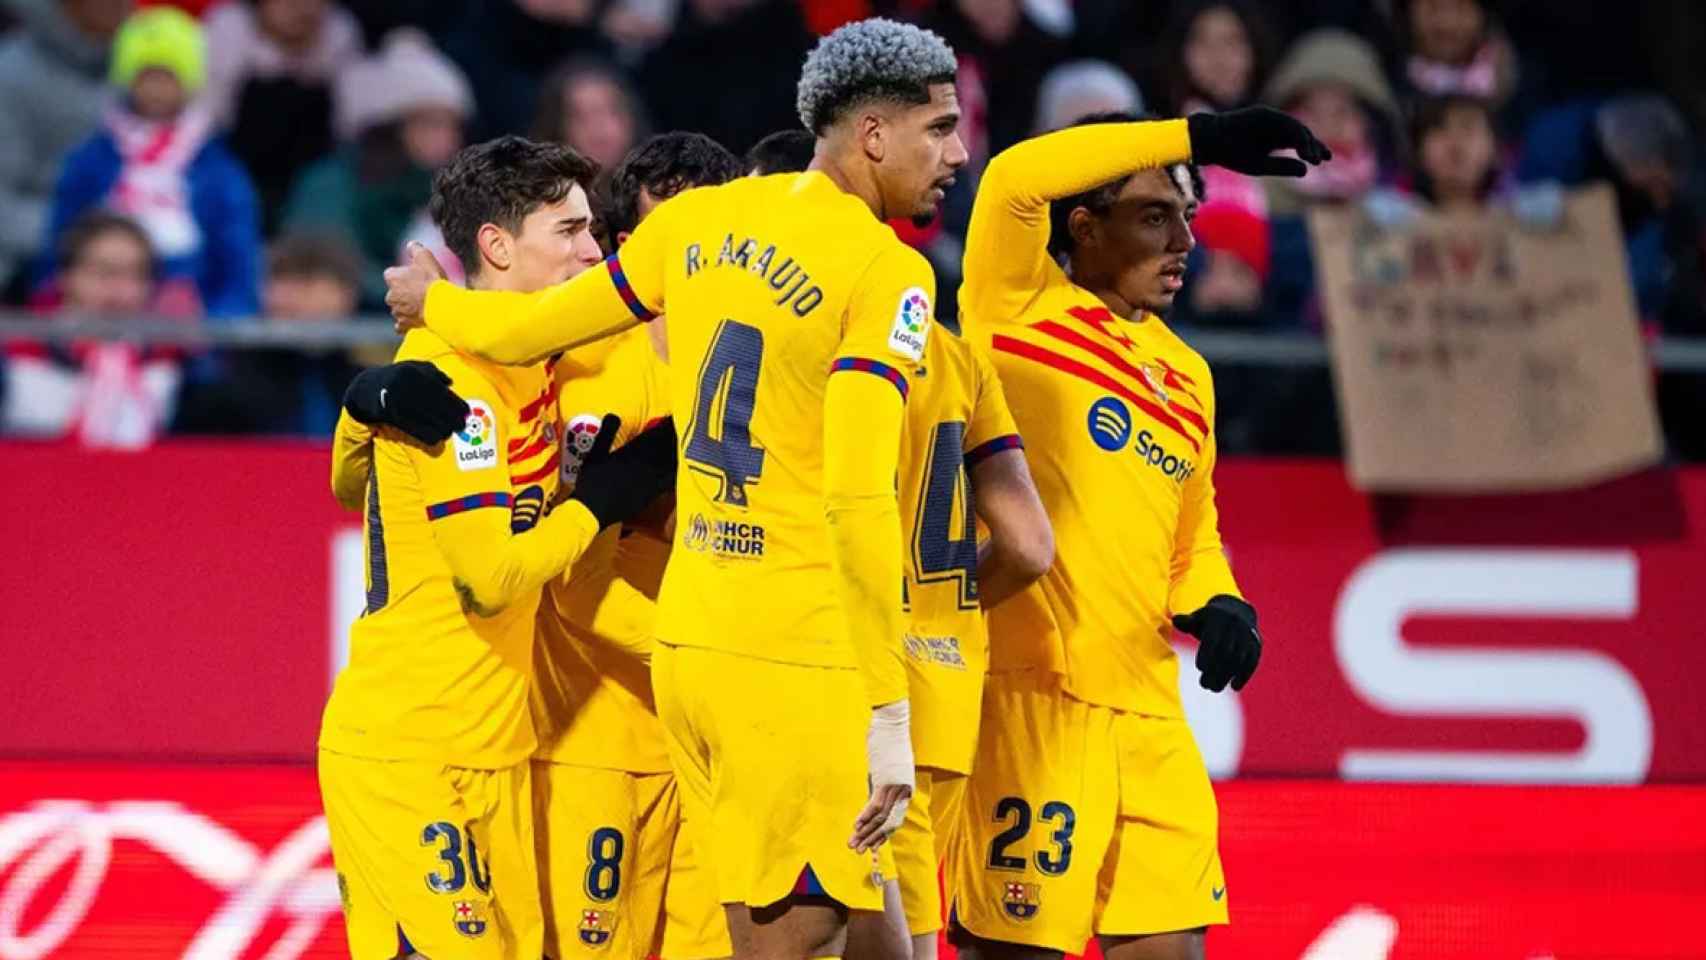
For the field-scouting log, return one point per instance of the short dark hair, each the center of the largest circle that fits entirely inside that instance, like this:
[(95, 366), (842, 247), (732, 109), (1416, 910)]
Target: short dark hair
[(93, 225), (315, 253), (664, 166), (1099, 199), (1430, 114), (501, 181), (785, 151)]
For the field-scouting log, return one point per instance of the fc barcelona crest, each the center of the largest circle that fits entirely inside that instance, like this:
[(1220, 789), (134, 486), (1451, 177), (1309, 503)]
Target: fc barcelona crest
[(1020, 900), (470, 916), (595, 927)]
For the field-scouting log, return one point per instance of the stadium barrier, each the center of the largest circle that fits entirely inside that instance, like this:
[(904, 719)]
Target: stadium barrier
[(176, 617)]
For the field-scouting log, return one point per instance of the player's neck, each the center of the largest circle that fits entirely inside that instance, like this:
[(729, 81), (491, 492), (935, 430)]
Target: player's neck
[(1116, 304), (846, 177)]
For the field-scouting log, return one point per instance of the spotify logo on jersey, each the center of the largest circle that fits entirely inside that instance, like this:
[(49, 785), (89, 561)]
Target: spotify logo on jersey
[(1110, 424)]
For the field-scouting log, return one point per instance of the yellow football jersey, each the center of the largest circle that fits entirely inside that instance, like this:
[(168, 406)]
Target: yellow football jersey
[(592, 694), (459, 541), (772, 285), (956, 415), (1117, 416)]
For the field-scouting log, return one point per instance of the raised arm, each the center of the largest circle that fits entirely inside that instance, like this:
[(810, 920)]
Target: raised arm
[(1006, 259)]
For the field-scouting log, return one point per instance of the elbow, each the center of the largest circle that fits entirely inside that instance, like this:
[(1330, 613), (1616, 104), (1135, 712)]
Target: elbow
[(1033, 554), (1038, 555), (484, 599)]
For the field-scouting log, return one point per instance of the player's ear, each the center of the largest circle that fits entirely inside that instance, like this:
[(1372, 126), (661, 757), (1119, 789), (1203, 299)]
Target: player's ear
[(1082, 226), (495, 246), (872, 131)]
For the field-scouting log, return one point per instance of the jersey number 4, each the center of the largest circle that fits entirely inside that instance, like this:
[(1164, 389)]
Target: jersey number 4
[(941, 548), (720, 441)]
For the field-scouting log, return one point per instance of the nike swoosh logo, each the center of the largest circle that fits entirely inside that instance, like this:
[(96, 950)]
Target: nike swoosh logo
[(1218, 892), (382, 397)]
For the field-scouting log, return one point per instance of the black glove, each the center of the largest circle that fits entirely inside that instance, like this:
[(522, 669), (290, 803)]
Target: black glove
[(1243, 140), (615, 487), (1228, 646), (414, 396)]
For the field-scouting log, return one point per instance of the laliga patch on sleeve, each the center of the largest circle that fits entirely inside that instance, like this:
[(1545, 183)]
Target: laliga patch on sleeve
[(911, 324), (475, 446)]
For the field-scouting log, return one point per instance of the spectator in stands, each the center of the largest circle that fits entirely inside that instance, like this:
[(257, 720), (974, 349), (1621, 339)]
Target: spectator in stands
[(638, 25), (1233, 259), (401, 113), (785, 151), (1641, 146), (53, 71), (270, 66), (1004, 53), (1081, 87), (1458, 165), (588, 104), (1331, 80), (1455, 47), (508, 47), (106, 394), (157, 159), (728, 69), (1215, 55), (312, 279)]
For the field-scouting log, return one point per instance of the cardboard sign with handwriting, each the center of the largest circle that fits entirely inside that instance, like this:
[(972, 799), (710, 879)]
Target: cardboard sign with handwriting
[(1480, 354)]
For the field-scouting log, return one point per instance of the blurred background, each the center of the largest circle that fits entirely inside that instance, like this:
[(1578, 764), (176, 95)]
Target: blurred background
[(1461, 373)]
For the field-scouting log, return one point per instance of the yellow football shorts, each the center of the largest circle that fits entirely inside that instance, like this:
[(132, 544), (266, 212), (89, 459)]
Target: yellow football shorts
[(1082, 819), (618, 878), (921, 844), (771, 762), (432, 859)]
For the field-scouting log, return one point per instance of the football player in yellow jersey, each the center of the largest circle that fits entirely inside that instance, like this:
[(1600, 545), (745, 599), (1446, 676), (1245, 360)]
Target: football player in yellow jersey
[(615, 879), (618, 878), (424, 742), (794, 317), (1089, 809), (961, 463)]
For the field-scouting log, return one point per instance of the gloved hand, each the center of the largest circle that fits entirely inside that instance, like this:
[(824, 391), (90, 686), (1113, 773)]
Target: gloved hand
[(1243, 140), (414, 396), (1228, 646), (888, 749), (615, 487)]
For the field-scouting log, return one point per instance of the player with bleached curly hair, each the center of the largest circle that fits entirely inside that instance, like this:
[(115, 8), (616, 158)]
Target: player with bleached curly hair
[(797, 325)]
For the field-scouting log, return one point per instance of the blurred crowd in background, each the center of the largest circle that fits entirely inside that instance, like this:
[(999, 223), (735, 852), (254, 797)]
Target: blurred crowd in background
[(243, 159)]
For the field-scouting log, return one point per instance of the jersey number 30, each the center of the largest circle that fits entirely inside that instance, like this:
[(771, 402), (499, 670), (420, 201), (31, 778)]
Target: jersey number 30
[(720, 443)]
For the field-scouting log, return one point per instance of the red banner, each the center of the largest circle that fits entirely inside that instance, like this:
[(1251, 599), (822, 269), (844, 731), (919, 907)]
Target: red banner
[(190, 602), (220, 863)]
